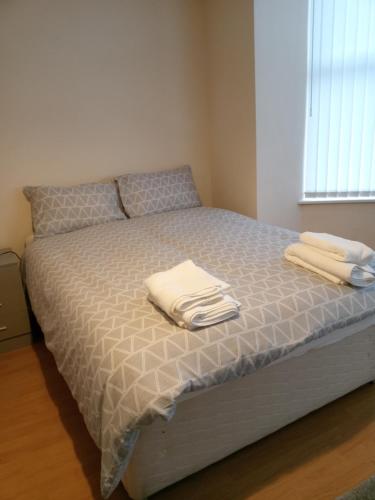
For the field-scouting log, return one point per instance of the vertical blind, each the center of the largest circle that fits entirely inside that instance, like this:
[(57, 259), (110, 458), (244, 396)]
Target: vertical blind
[(340, 121)]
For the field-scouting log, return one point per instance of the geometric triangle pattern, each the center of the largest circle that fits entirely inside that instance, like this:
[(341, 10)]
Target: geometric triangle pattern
[(57, 210), (125, 361), (156, 192)]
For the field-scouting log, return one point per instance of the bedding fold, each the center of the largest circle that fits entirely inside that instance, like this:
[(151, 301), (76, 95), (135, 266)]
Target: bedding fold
[(191, 296), (334, 270)]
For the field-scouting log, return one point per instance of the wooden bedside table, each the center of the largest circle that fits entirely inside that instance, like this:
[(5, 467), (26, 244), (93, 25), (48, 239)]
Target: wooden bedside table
[(14, 320)]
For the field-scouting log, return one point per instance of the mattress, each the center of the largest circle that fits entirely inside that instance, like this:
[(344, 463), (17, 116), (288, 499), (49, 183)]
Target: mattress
[(202, 431), (125, 362), (363, 326)]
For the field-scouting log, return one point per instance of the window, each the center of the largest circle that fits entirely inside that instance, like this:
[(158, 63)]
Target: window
[(340, 111)]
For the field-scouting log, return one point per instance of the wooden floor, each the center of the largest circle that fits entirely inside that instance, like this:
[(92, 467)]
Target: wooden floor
[(47, 454)]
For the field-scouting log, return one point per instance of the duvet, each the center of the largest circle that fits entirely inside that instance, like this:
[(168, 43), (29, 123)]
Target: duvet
[(125, 362)]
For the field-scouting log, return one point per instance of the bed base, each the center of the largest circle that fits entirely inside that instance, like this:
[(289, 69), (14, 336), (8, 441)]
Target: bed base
[(202, 431)]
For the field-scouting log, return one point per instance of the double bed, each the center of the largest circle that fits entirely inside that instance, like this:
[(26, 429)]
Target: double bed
[(298, 343)]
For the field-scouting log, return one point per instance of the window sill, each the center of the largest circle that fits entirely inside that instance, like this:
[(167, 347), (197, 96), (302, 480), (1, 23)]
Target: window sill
[(325, 201)]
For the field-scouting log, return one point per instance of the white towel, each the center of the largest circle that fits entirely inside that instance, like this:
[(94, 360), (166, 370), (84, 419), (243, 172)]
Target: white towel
[(191, 296), (220, 309), (334, 270), (339, 248)]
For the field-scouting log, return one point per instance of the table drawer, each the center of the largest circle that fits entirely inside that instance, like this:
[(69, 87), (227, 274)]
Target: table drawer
[(13, 323), (13, 312), (11, 290)]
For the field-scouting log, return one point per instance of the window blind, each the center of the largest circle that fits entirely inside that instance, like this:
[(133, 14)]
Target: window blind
[(340, 122)]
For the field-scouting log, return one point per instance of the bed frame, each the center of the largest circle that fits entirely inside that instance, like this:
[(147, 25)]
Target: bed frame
[(259, 404)]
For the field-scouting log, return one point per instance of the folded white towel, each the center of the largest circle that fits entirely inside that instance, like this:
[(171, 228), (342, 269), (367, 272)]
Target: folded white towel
[(339, 248), (191, 296), (182, 286), (224, 307), (334, 270)]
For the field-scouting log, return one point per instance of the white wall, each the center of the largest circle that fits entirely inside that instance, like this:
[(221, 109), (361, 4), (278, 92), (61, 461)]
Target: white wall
[(280, 70), (349, 220), (90, 89), (93, 88), (230, 65), (280, 75)]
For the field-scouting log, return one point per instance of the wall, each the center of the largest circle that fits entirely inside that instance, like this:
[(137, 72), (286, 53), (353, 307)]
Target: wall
[(349, 220), (280, 67), (92, 88), (280, 70), (230, 64)]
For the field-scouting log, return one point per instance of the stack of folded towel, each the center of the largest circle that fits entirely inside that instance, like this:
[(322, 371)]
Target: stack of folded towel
[(337, 259), (190, 296)]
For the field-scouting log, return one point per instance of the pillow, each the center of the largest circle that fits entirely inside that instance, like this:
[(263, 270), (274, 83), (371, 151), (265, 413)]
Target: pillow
[(57, 210), (155, 192)]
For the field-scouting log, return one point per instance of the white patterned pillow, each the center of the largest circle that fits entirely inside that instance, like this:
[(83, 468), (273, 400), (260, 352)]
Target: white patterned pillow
[(155, 192), (57, 210)]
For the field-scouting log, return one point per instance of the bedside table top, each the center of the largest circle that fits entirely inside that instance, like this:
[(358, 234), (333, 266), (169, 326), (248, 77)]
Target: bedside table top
[(7, 259)]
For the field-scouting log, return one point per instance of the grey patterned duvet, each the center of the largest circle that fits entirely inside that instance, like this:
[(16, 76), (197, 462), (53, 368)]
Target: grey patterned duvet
[(125, 362)]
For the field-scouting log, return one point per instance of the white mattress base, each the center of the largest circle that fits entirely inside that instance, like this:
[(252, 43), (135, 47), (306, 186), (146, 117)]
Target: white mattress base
[(332, 338), (202, 431)]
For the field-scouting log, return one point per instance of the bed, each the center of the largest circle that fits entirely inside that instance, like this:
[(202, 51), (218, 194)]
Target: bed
[(298, 343)]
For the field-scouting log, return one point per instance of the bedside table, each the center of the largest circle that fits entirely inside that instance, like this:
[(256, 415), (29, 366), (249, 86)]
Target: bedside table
[(14, 321)]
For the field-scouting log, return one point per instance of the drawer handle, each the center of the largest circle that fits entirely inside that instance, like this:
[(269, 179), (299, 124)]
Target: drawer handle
[(3, 328)]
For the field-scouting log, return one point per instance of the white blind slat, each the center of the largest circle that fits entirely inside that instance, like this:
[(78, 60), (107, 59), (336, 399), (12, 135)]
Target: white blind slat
[(340, 121)]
